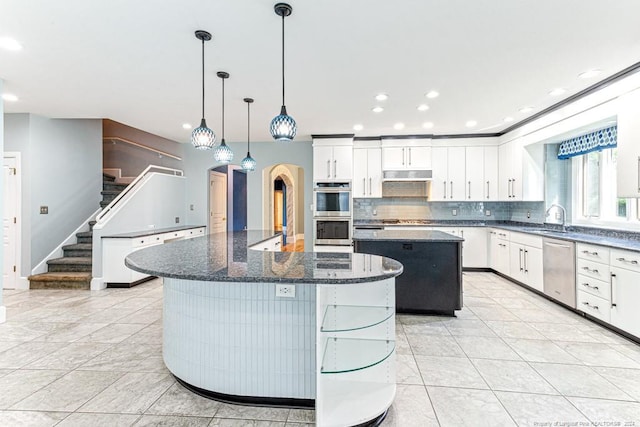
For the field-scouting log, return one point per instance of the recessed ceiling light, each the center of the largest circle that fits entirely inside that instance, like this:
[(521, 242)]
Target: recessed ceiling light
[(10, 44), (358, 127), (427, 125), (186, 126), (471, 123), (526, 109), (589, 74), (377, 109), (557, 91), (382, 97), (9, 97), (432, 94), (507, 119), (398, 126), (423, 107)]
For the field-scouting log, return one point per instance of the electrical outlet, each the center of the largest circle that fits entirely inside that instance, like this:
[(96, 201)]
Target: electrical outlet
[(287, 291), (44, 210), (528, 214), (177, 220), (558, 215), (454, 212), (375, 212), (487, 212), (191, 207)]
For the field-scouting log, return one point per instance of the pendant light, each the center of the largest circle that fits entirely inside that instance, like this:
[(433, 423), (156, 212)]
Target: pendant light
[(248, 163), (202, 137), (223, 153), (283, 128)]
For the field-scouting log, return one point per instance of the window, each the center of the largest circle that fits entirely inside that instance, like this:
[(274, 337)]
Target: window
[(596, 201)]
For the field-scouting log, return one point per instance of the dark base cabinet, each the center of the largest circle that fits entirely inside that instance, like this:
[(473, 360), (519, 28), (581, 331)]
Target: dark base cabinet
[(431, 282)]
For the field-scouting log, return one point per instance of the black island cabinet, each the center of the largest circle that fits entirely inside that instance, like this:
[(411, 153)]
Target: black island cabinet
[(432, 279)]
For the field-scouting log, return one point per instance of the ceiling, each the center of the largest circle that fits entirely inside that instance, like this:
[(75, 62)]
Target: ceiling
[(138, 62)]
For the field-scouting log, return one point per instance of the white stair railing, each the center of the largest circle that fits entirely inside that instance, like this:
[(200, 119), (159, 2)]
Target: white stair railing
[(150, 169)]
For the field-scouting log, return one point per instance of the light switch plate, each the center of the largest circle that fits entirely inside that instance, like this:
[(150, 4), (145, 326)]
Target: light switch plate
[(487, 212), (287, 291), (44, 210)]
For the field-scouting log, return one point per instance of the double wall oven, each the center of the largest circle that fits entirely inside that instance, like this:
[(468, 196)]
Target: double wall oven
[(332, 213)]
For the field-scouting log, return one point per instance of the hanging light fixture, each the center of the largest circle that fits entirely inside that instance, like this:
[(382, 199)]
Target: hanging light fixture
[(223, 153), (248, 163), (202, 137), (283, 128)]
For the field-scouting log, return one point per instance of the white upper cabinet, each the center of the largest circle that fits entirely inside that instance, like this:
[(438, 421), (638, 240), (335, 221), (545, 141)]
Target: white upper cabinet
[(448, 181), (367, 172), (409, 156), (521, 171), (333, 159), (481, 173), (628, 168)]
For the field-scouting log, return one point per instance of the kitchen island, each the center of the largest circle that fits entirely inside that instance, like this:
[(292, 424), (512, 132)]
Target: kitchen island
[(278, 328), (432, 278)]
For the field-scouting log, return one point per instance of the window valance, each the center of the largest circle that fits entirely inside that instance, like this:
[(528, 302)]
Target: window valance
[(592, 141)]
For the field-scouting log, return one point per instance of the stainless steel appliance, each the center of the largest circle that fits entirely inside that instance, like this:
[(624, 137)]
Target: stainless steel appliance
[(559, 277), (332, 231), (332, 199)]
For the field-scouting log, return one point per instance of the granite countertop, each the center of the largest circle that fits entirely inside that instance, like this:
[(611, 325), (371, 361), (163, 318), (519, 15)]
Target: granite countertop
[(406, 235), (226, 257), (151, 231), (371, 223), (572, 236)]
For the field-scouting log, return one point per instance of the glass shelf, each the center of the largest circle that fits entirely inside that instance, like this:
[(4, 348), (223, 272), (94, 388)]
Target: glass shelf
[(348, 354), (340, 318)]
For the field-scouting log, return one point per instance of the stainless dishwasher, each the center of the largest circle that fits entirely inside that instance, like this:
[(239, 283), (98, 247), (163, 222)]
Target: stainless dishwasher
[(559, 263)]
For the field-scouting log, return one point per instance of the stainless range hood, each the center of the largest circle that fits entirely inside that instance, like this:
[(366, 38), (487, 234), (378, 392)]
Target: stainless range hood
[(407, 175)]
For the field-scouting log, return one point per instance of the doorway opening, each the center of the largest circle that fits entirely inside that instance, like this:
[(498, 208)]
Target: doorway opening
[(10, 222), (227, 199), (283, 203)]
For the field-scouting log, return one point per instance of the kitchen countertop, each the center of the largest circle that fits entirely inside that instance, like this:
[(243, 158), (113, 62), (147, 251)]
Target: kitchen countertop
[(226, 257), (406, 235), (151, 231), (591, 237)]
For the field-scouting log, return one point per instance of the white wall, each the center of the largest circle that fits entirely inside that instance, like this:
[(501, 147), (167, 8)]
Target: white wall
[(197, 164), (3, 311), (61, 169)]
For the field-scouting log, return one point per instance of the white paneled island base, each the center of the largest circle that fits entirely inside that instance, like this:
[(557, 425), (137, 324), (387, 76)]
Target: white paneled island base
[(272, 328)]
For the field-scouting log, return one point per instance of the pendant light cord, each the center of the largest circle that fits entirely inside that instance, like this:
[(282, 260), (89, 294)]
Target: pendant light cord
[(283, 59), (223, 108), (203, 78), (248, 127)]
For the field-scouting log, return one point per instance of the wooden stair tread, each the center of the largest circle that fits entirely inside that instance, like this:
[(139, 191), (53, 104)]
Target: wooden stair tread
[(71, 260), (68, 276)]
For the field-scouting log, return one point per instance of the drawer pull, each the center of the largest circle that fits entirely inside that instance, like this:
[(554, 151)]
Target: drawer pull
[(632, 261), (594, 253), (613, 304), (589, 286), (595, 307), (595, 270)]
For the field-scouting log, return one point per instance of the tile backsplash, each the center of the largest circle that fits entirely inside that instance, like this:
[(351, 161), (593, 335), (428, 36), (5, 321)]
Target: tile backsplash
[(422, 209)]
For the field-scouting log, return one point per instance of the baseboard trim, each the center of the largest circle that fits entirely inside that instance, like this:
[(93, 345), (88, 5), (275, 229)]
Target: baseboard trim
[(22, 284), (97, 284), (3, 314)]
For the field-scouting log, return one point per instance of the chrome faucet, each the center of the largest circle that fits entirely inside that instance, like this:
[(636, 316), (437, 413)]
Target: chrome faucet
[(564, 216)]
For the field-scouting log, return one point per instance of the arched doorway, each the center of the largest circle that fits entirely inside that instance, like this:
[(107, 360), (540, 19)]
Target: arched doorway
[(283, 201)]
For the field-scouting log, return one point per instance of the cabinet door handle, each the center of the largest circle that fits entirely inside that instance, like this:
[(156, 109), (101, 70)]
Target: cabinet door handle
[(328, 168), (445, 188), (451, 193), (526, 255), (638, 174), (403, 157), (632, 261), (409, 156), (520, 259), (370, 185), (335, 168), (364, 186), (513, 187), (487, 189), (469, 189), (613, 304)]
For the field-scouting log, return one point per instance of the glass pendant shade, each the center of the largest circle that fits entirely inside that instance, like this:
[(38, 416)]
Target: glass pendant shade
[(248, 163), (223, 153), (202, 137), (283, 127)]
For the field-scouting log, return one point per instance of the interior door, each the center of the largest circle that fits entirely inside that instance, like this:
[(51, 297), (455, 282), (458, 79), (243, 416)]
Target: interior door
[(9, 223), (217, 202)]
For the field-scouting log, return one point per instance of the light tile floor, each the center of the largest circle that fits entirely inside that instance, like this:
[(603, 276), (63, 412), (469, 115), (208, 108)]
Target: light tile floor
[(510, 357)]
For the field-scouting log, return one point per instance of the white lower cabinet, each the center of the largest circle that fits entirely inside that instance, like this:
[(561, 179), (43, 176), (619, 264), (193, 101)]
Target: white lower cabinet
[(525, 259), (625, 291), (499, 250)]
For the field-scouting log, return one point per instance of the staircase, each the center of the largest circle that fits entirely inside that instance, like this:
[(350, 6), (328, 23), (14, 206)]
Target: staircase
[(73, 270)]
